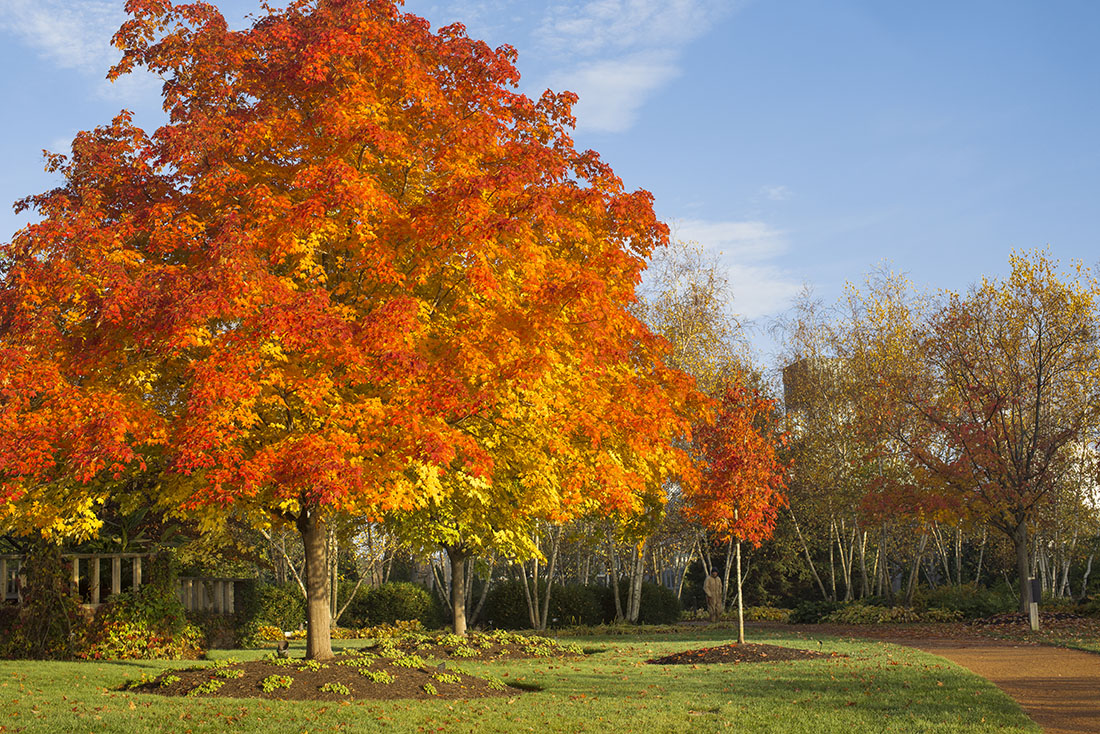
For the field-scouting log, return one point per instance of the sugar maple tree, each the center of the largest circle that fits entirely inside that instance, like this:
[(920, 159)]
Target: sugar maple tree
[(320, 286), (742, 481)]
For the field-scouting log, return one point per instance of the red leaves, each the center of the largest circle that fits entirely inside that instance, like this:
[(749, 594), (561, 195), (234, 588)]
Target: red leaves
[(741, 485)]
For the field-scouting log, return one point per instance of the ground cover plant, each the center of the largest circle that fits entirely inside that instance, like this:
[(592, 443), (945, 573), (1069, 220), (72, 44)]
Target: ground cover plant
[(877, 688)]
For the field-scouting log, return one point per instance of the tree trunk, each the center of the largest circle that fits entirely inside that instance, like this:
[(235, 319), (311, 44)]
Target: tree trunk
[(909, 591), (545, 613), (981, 556), (475, 618), (726, 574), (740, 604), (613, 563), (864, 582), (314, 540), (1085, 580), (636, 572), (1019, 540), (456, 555), (809, 559)]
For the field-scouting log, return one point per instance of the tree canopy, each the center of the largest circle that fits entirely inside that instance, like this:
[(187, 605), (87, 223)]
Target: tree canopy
[(352, 260)]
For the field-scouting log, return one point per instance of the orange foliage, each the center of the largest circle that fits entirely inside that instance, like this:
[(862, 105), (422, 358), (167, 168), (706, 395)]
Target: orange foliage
[(742, 481)]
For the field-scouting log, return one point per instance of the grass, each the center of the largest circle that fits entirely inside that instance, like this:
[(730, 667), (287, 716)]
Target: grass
[(877, 688)]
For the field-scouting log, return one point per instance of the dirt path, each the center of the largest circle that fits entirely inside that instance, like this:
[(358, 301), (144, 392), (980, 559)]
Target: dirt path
[(1058, 688)]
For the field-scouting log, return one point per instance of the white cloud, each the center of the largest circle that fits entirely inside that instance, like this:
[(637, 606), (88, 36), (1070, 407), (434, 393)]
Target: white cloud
[(77, 35), (747, 249), (616, 54), (751, 240), (775, 193), (596, 27), (72, 35), (612, 91)]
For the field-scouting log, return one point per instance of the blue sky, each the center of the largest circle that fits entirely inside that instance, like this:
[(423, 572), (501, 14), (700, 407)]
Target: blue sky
[(805, 141)]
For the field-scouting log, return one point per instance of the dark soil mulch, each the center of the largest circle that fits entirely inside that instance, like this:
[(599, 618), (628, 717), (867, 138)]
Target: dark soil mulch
[(735, 653), (347, 677)]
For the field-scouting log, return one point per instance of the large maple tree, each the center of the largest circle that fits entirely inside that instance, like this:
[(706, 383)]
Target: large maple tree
[(323, 285)]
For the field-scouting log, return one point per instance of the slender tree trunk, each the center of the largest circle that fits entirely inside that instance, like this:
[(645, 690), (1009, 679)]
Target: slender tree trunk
[(1085, 580), (864, 581), (726, 574), (958, 556), (912, 587), (475, 618), (314, 537), (613, 561), (740, 603), (981, 556), (1023, 567), (809, 559), (532, 603), (544, 617), (457, 556)]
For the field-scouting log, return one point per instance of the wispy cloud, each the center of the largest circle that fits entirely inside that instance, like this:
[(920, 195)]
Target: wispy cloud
[(775, 193), (598, 27), (72, 35), (76, 35), (612, 91), (748, 250), (616, 53)]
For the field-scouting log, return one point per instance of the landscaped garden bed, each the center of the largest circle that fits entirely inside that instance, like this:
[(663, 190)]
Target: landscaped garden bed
[(739, 653), (356, 674)]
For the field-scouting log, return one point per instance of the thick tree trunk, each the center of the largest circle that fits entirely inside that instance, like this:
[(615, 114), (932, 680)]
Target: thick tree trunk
[(314, 539), (637, 571), (457, 558)]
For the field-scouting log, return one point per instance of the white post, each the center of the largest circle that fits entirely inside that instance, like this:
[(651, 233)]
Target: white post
[(94, 581), (230, 599), (188, 603), (137, 572), (75, 583), (116, 575)]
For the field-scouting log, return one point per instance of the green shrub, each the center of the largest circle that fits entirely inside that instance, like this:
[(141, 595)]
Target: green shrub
[(969, 600), (574, 604), (861, 613), (506, 606), (659, 605), (397, 601), (812, 612), (146, 623), (766, 614), (264, 606), (50, 624)]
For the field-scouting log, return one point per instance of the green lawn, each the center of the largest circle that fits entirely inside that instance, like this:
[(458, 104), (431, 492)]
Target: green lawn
[(878, 688)]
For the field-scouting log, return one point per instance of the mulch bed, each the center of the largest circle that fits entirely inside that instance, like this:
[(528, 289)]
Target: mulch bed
[(391, 668), (335, 680), (735, 653)]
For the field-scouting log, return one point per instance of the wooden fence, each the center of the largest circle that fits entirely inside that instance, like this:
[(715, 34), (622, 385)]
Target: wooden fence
[(97, 577)]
